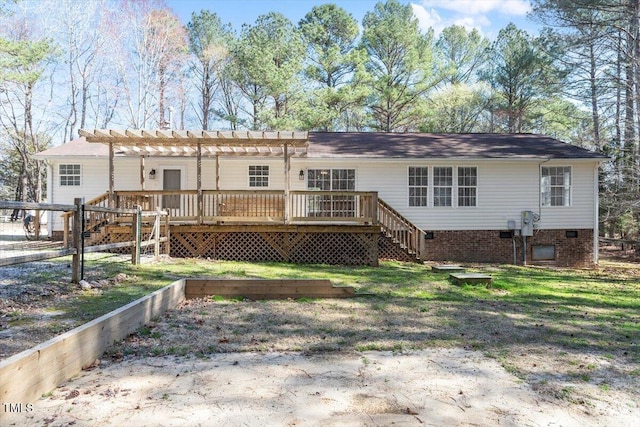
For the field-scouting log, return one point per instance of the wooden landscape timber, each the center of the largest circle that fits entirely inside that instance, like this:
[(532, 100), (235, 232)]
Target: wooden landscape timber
[(266, 289), (28, 375), (25, 376)]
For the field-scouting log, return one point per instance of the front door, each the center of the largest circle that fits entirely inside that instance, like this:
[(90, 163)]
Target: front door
[(171, 179)]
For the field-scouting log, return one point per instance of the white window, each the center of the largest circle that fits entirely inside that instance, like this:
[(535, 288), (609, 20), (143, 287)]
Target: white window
[(258, 176), (332, 180), (69, 175), (442, 186), (467, 186), (555, 186), (418, 186)]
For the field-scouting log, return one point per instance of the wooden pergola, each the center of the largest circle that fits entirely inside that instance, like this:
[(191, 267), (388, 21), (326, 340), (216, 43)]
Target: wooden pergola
[(186, 143)]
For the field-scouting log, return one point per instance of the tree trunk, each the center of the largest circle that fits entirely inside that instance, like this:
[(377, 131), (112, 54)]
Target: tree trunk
[(595, 116)]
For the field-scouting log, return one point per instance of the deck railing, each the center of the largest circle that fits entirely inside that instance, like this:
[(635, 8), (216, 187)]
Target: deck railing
[(222, 206), (270, 207)]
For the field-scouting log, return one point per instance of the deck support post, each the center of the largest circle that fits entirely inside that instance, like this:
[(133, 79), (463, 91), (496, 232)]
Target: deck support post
[(167, 233), (111, 176), (156, 234), (142, 173), (77, 240), (136, 226), (287, 182), (199, 182)]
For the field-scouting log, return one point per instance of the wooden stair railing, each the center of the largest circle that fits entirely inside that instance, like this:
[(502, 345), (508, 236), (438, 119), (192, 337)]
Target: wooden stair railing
[(94, 221), (403, 232)]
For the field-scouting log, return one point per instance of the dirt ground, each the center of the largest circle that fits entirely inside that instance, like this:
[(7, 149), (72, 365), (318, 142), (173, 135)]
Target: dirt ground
[(452, 387), (283, 363)]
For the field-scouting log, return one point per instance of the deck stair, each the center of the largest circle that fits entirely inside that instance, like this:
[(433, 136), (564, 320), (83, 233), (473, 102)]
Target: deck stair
[(404, 234), (263, 289)]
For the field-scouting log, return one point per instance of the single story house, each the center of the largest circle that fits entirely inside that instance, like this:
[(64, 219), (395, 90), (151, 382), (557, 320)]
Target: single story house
[(344, 197)]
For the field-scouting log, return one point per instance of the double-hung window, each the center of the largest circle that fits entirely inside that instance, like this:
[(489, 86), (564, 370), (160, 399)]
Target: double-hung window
[(258, 176), (442, 186), (418, 186), (69, 175), (467, 186), (555, 186)]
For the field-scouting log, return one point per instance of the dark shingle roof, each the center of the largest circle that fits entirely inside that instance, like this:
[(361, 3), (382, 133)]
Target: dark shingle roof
[(437, 145), (400, 146)]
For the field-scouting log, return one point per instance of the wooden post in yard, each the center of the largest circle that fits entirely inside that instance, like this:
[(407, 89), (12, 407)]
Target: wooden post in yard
[(136, 228), (77, 240)]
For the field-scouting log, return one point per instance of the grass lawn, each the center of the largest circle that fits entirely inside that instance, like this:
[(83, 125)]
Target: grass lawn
[(595, 311)]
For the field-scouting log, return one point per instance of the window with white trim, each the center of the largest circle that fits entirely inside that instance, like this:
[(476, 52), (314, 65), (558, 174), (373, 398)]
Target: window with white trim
[(258, 176), (418, 186), (69, 175), (331, 180), (467, 186), (555, 186), (442, 186)]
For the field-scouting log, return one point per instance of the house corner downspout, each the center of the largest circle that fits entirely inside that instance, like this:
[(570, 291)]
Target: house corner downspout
[(49, 195)]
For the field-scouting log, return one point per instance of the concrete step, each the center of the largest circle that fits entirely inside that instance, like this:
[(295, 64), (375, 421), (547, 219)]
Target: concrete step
[(447, 268), (471, 278)]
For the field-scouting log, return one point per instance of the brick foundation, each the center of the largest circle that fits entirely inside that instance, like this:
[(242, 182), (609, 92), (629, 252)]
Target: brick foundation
[(488, 246)]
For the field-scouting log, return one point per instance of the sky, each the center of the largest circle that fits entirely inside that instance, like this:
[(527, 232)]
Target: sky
[(488, 16)]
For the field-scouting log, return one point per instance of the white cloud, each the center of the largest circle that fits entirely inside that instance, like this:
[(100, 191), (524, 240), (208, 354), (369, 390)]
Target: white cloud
[(475, 7), (471, 22), (428, 18)]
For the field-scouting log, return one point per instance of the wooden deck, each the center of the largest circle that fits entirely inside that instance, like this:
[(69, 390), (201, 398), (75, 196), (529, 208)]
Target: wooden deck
[(333, 227)]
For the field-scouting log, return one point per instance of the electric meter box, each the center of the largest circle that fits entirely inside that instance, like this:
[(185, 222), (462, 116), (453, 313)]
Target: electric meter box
[(526, 223)]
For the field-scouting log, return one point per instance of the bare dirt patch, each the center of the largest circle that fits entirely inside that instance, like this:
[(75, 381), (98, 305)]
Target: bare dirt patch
[(427, 387)]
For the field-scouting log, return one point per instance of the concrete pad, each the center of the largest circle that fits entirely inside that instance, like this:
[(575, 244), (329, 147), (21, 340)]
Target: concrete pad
[(447, 268), (471, 278)]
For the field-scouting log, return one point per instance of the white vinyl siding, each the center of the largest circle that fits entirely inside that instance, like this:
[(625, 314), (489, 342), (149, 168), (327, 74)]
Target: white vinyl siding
[(504, 187)]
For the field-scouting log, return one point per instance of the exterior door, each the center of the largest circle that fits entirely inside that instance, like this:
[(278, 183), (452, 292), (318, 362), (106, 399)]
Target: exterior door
[(171, 179), (332, 180)]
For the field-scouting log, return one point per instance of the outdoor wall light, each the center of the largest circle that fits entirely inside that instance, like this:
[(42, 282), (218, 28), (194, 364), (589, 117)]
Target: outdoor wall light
[(301, 175), (152, 174)]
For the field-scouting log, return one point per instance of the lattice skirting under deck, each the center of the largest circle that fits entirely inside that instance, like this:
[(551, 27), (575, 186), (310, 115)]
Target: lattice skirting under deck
[(298, 247), (345, 245)]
